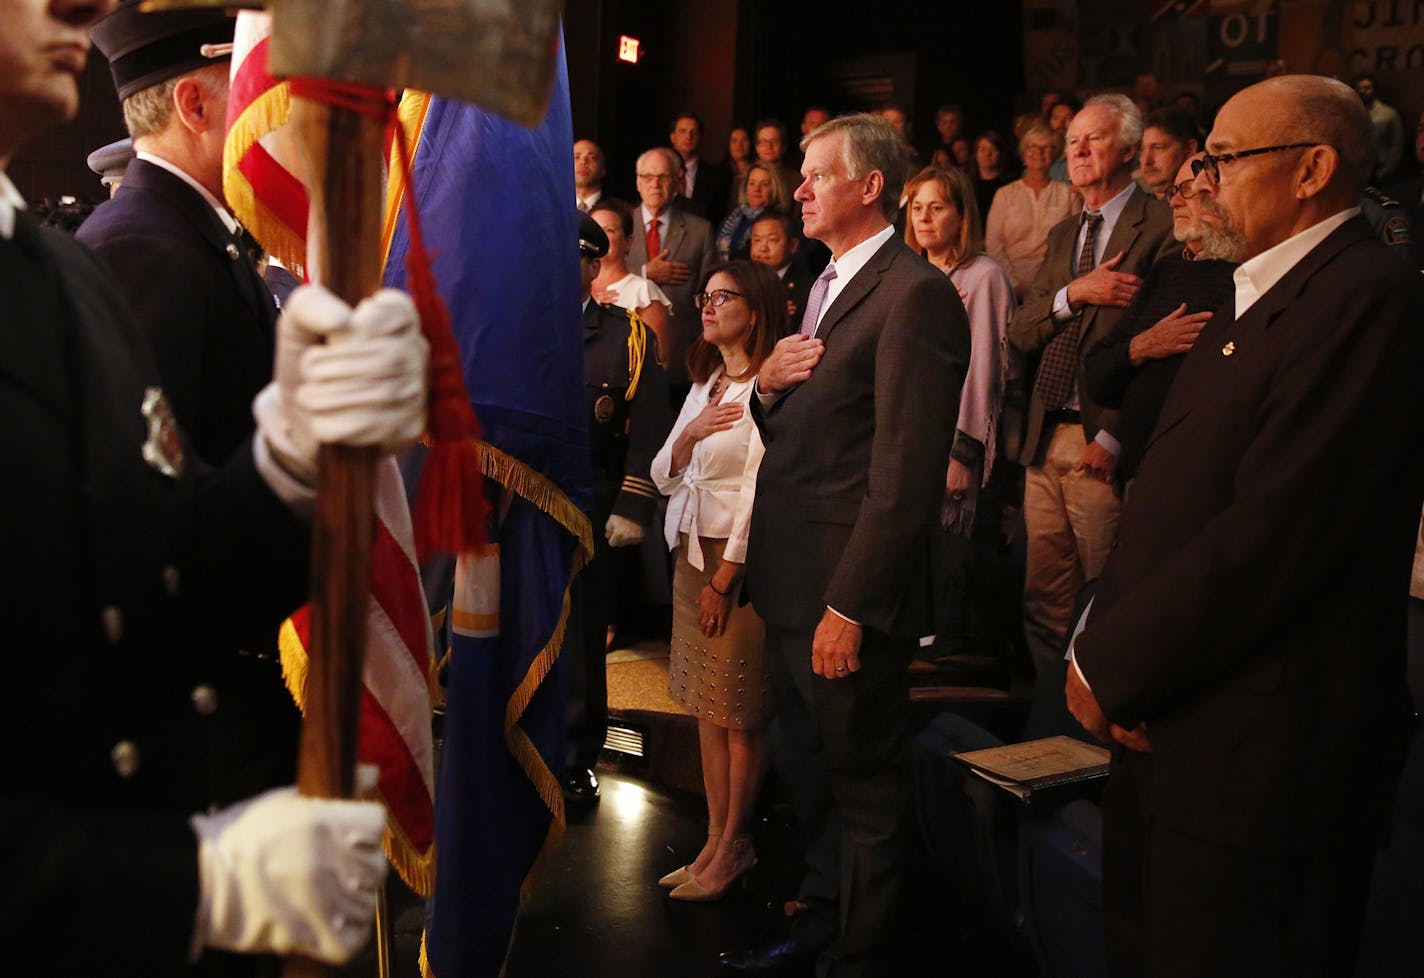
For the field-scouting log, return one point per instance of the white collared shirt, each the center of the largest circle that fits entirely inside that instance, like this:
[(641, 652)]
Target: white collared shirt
[(228, 220), (1255, 276), (849, 264), (586, 203), (10, 202)]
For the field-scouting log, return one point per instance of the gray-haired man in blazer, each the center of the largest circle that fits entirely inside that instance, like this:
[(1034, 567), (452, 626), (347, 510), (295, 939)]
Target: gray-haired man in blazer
[(857, 412)]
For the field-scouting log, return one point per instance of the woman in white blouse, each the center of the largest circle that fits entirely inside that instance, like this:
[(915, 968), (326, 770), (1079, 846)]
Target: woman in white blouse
[(707, 469), (1022, 213), (615, 284)]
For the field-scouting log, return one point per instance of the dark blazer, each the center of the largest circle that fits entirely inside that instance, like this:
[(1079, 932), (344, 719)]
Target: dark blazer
[(196, 295), (1144, 234), (1137, 392), (1253, 613), (688, 239), (709, 192), (115, 575), (849, 490), (797, 282)]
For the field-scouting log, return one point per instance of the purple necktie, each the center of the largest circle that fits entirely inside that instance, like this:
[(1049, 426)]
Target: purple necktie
[(816, 299)]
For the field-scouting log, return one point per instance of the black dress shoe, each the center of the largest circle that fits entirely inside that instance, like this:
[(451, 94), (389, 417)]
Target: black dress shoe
[(580, 788), (782, 957)]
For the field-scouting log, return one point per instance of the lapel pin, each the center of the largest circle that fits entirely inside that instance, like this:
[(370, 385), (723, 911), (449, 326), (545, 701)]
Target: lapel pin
[(1228, 349)]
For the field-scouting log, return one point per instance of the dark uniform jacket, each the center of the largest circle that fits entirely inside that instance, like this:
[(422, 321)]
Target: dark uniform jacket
[(115, 573), (196, 295), (209, 319), (625, 432)]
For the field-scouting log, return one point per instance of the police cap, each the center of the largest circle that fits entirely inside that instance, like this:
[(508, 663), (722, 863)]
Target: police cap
[(593, 243), (147, 48)]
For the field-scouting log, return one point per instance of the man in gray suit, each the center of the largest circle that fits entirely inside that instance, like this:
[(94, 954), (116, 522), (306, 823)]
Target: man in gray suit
[(675, 249), (1091, 271), (857, 412)]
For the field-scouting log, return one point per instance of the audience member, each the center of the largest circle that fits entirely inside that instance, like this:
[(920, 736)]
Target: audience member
[(776, 244), (1091, 272), (838, 560), (110, 161), (716, 661), (1132, 369), (1387, 130), (944, 227), (770, 149), (989, 170), (1169, 136), (588, 174), (814, 117), (675, 249), (739, 156), (1188, 101), (704, 187), (628, 418), (1024, 211), (1249, 557), (949, 124), (615, 284), (1059, 118), (897, 119), (761, 190), (961, 155)]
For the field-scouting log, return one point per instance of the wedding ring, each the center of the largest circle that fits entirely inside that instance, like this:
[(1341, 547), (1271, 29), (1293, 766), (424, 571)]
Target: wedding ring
[(840, 668)]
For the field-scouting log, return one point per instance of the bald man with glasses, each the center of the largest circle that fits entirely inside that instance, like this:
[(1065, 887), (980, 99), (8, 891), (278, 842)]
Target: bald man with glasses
[(1246, 648)]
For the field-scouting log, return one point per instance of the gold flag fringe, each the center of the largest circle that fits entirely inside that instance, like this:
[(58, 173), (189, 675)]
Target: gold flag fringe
[(410, 116), (416, 868), (266, 113), (542, 492)]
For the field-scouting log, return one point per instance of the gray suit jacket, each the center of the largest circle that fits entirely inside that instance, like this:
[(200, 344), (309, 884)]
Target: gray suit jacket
[(1143, 234), (848, 495), (689, 239)]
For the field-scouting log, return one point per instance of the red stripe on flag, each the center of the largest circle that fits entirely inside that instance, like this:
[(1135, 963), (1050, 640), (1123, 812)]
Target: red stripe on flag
[(251, 78), (281, 193), (404, 792), (395, 585)]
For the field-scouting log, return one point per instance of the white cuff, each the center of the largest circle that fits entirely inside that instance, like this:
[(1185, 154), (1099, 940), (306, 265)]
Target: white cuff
[(1106, 440), (1061, 309), (298, 496), (843, 617)]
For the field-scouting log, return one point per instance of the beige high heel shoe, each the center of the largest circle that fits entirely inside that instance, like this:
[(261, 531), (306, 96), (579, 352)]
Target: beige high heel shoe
[(683, 874), (694, 892)]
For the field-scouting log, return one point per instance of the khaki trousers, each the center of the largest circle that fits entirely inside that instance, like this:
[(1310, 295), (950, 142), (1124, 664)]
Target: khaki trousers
[(1071, 519)]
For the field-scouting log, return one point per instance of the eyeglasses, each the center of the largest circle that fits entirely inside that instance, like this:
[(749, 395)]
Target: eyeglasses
[(1212, 164), (1187, 190), (717, 298), (655, 178)]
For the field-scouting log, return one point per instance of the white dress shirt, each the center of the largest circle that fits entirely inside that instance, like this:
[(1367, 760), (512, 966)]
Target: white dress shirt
[(1255, 276), (218, 206), (10, 202)]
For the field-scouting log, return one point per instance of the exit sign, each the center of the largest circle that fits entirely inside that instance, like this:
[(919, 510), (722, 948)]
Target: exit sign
[(628, 49)]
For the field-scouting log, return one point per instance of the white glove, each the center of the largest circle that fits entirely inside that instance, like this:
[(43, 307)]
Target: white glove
[(365, 385), (283, 873), (620, 531)]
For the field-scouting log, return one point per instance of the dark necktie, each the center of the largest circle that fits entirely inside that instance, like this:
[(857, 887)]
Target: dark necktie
[(1058, 370)]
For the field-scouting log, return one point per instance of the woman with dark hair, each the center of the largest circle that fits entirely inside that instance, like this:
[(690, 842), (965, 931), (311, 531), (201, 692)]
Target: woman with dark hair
[(989, 168), (739, 159), (616, 284), (760, 190), (707, 469)]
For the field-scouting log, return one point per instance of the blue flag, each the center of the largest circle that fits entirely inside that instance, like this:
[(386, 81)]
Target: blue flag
[(496, 207)]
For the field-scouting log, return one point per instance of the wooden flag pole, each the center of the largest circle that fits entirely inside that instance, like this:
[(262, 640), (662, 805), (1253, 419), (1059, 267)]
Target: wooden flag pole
[(346, 148)]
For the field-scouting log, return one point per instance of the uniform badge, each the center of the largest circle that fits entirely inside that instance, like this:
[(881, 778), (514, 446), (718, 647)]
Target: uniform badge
[(603, 409), (1228, 349), (164, 448)]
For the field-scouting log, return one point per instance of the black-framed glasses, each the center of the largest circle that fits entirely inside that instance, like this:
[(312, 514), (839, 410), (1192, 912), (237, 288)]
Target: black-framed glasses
[(1212, 164), (1186, 190), (717, 298)]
